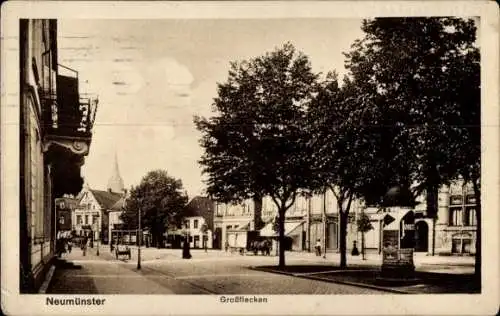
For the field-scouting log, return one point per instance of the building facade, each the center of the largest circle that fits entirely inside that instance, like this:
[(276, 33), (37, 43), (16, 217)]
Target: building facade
[(56, 131), (65, 208), (98, 211), (198, 225), (455, 226), (308, 220)]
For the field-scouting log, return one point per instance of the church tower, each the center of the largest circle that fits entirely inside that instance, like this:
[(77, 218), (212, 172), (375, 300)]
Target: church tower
[(115, 183)]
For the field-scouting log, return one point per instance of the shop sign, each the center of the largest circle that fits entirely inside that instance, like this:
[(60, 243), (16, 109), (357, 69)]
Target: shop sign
[(456, 200), (409, 226)]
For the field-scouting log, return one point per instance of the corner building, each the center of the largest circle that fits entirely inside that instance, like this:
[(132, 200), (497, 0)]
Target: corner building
[(55, 134)]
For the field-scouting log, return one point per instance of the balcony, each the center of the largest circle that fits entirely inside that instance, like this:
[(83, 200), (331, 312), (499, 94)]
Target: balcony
[(68, 116), (68, 119)]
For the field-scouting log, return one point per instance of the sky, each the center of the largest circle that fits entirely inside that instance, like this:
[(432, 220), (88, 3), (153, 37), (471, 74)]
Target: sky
[(153, 76)]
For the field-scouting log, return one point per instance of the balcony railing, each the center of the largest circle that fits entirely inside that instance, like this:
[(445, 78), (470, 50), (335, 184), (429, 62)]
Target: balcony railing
[(68, 113)]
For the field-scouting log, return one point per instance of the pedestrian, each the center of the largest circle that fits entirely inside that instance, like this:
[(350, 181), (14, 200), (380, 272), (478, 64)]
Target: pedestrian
[(226, 245), (70, 245), (318, 247), (84, 246)]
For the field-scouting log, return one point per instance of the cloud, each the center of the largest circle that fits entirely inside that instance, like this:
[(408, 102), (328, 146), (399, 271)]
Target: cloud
[(169, 75)]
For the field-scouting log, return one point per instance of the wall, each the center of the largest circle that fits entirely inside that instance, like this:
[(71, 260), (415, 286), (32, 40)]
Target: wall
[(37, 235), (196, 235)]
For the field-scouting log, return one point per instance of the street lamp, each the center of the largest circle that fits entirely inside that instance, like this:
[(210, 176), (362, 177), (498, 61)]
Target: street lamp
[(98, 235), (139, 239), (325, 226)]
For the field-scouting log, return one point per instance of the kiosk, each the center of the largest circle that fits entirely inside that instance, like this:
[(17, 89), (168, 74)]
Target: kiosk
[(398, 238)]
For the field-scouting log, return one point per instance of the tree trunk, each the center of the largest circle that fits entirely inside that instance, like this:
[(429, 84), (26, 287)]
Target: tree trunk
[(343, 236), (281, 240), (432, 208), (477, 263), (363, 245)]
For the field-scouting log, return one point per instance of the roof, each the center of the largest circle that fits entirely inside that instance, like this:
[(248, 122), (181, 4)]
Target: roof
[(119, 205), (200, 206), (66, 203), (395, 218), (106, 199)]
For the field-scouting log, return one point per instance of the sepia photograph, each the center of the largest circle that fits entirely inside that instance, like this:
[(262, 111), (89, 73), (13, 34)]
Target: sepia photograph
[(250, 158)]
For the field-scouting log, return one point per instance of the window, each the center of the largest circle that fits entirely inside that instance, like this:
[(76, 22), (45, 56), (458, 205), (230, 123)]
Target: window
[(187, 224), (456, 216), (78, 219), (470, 219), (86, 219), (195, 224)]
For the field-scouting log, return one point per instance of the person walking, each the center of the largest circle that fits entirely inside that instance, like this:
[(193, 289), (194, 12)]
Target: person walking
[(84, 246), (70, 245), (318, 247)]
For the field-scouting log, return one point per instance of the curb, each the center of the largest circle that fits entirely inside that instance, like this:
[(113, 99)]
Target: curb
[(363, 285), (48, 279)]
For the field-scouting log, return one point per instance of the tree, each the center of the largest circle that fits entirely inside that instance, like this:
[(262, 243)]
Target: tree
[(427, 72), (364, 225), (342, 157), (254, 145), (160, 199)]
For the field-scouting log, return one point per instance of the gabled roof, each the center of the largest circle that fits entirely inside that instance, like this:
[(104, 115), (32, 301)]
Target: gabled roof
[(119, 205), (106, 199), (200, 206)]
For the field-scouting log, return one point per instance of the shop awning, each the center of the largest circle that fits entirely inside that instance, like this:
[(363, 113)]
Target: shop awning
[(291, 228), (244, 227), (396, 217), (268, 231)]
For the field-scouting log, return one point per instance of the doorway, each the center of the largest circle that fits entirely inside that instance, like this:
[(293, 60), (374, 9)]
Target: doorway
[(421, 236)]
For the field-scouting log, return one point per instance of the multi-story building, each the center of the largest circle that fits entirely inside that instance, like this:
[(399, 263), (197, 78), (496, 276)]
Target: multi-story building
[(456, 224), (198, 220), (307, 220), (65, 207), (98, 212), (455, 227), (56, 131)]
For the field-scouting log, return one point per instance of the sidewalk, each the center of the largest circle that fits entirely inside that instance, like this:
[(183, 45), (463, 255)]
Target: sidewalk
[(147, 254), (444, 264), (433, 274)]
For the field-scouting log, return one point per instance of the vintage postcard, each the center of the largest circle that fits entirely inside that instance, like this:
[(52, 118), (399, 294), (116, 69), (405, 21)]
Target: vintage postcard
[(250, 158)]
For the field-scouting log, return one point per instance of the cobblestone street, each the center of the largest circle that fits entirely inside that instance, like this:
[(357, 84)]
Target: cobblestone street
[(213, 272)]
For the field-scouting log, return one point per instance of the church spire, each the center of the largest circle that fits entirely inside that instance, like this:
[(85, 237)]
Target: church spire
[(115, 183)]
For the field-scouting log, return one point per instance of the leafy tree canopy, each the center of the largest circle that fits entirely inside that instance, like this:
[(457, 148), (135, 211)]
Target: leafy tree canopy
[(254, 145), (160, 198)]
